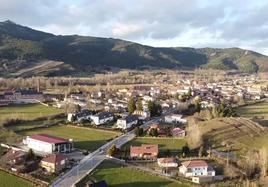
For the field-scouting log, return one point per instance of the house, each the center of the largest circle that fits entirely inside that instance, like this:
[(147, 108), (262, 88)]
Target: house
[(145, 151), (178, 132), (167, 162), (15, 156), (162, 130), (196, 168), (175, 118), (127, 122), (3, 101), (54, 163), (84, 114), (96, 184), (102, 118), (46, 144), (23, 96), (142, 114)]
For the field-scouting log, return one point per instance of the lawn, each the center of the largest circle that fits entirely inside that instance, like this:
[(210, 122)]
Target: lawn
[(8, 180), (120, 176), (89, 139), (27, 111), (173, 144), (32, 124), (259, 110)]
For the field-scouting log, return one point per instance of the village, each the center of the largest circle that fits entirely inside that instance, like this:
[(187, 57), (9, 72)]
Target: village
[(146, 113)]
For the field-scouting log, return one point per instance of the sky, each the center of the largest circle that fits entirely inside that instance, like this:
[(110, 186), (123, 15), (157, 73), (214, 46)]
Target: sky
[(160, 23)]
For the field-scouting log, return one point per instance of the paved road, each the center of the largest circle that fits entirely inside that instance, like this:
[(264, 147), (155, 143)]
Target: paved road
[(91, 161)]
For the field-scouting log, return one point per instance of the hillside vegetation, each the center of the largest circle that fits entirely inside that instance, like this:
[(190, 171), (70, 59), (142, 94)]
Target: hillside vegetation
[(23, 49)]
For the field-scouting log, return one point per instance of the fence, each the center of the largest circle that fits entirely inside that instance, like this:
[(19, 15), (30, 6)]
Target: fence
[(35, 181)]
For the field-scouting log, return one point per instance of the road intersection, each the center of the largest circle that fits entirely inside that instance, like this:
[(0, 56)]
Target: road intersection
[(91, 161)]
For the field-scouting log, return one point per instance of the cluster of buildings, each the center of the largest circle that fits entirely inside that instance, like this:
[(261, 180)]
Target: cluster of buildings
[(21, 96), (199, 170), (52, 150)]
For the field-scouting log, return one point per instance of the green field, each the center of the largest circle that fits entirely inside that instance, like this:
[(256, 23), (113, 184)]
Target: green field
[(8, 180), (89, 139), (33, 124), (26, 112), (119, 176), (174, 145), (257, 110)]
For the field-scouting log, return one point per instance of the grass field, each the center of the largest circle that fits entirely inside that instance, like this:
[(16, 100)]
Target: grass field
[(89, 139), (239, 134), (26, 112), (258, 110), (8, 180), (119, 176), (174, 145), (32, 124)]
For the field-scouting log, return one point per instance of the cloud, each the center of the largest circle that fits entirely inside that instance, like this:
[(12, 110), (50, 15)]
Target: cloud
[(194, 23)]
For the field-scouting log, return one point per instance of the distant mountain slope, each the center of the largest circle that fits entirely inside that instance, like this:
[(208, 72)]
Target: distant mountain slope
[(26, 52)]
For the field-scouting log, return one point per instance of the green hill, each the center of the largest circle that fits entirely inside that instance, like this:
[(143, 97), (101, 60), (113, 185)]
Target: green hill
[(26, 52)]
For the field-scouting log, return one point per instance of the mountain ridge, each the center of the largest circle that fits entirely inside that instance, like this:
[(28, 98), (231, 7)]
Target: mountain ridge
[(22, 47)]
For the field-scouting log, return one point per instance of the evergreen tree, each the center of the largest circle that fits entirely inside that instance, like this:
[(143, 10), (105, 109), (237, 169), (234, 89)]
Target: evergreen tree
[(139, 104), (131, 105)]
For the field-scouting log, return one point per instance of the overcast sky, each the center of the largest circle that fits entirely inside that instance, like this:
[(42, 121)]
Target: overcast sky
[(190, 23)]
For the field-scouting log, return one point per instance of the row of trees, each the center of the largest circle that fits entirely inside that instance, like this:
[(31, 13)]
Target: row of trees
[(154, 107)]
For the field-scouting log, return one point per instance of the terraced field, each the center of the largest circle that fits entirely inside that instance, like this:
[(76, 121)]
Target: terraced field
[(237, 134)]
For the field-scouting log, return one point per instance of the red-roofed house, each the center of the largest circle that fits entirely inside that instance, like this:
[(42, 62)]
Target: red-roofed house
[(144, 151), (15, 156), (54, 163), (178, 132), (196, 168), (46, 144)]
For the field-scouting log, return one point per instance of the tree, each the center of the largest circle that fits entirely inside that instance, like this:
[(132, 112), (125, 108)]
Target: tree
[(112, 150), (153, 132), (30, 155), (139, 104), (154, 108), (167, 153), (185, 150), (263, 161), (131, 105), (138, 131)]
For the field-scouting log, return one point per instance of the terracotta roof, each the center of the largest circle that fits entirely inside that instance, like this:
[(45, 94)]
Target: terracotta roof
[(48, 138), (144, 149), (54, 158), (167, 160), (195, 163), (177, 130)]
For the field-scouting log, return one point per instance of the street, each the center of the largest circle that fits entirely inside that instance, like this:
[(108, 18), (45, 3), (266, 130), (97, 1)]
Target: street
[(91, 161)]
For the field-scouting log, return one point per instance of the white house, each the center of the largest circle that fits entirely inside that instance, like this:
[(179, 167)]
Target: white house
[(142, 114), (127, 122), (196, 168), (102, 118), (175, 118), (84, 114), (167, 162), (46, 144)]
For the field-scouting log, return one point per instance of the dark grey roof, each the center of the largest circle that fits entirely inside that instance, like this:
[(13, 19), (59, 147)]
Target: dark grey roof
[(104, 115), (83, 113), (130, 118)]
